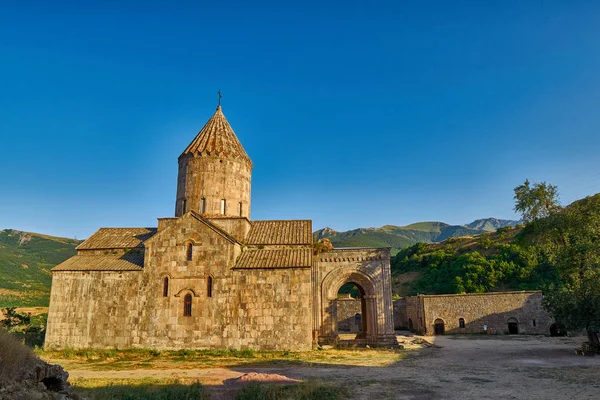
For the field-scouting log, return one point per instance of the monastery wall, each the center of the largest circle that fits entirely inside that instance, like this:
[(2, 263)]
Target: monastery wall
[(491, 309), (93, 309)]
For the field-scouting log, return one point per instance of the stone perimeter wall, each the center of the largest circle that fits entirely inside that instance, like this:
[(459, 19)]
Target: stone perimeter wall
[(491, 309)]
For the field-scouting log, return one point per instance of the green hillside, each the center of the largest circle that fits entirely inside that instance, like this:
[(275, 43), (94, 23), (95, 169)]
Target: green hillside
[(511, 258), (25, 263), (399, 237)]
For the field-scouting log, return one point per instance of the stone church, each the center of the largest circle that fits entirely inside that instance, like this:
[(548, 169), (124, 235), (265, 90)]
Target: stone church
[(210, 277)]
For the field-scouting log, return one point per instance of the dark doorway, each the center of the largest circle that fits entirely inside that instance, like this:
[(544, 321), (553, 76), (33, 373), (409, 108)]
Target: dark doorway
[(513, 326), (556, 330), (438, 327), (410, 324)]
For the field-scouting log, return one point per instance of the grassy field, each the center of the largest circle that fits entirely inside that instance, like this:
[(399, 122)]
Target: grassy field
[(111, 359)]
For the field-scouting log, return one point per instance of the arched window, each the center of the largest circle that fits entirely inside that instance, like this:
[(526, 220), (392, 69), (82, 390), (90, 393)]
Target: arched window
[(189, 252), (166, 286), (203, 206), (461, 322), (187, 305), (223, 206), (209, 286)]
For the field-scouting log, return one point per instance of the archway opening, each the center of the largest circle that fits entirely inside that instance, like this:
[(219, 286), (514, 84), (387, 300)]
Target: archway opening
[(513, 326), (350, 310), (439, 328), (410, 325)]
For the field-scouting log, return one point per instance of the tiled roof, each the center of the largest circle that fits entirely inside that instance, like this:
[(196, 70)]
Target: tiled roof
[(275, 258), (133, 261), (218, 138), (280, 232), (117, 238)]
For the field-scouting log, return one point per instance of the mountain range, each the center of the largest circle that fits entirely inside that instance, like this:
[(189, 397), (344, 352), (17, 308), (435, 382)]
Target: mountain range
[(399, 237)]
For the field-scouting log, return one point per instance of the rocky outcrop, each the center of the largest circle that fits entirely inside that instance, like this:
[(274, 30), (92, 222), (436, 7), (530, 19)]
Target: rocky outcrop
[(23, 376), (40, 382)]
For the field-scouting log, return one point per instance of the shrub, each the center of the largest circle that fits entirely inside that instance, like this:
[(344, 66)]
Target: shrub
[(15, 359)]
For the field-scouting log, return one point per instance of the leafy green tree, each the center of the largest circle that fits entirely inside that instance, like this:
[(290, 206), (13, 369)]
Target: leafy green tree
[(570, 240), (536, 201)]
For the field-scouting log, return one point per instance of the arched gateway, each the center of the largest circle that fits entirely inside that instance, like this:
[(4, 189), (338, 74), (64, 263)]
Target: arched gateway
[(369, 270)]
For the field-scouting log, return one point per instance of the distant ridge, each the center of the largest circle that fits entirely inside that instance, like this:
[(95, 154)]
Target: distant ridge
[(399, 237), (25, 262)]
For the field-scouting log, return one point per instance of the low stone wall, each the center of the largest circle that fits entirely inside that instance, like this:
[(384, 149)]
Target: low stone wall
[(492, 313), (400, 317), (349, 315)]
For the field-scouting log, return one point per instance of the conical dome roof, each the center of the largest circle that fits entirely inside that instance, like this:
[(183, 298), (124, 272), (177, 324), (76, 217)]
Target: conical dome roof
[(217, 138)]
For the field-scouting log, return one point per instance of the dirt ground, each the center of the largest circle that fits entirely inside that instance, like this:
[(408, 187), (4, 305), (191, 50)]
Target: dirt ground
[(458, 367)]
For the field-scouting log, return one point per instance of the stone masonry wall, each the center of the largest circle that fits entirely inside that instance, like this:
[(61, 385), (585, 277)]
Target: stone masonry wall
[(347, 311), (491, 309), (213, 178), (261, 308), (400, 317), (93, 309)]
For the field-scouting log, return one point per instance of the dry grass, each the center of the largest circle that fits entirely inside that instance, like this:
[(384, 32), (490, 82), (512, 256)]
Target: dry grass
[(110, 359), (15, 359)]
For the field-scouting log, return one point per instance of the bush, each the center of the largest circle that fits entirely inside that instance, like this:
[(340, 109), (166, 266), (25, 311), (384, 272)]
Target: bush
[(15, 359)]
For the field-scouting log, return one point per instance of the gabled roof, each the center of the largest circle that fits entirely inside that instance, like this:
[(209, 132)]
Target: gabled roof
[(117, 238), (280, 232), (132, 261), (193, 214), (274, 258), (217, 138)]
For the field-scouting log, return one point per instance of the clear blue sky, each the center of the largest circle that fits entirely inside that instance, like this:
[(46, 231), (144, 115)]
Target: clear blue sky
[(355, 113)]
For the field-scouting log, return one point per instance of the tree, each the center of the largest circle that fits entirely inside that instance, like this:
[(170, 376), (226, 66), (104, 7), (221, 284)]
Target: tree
[(537, 201), (570, 240)]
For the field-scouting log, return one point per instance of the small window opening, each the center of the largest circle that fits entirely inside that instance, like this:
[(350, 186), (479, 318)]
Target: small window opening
[(461, 322), (166, 287), (189, 252), (223, 206), (209, 286), (534, 323), (184, 207), (203, 206), (241, 208), (187, 305)]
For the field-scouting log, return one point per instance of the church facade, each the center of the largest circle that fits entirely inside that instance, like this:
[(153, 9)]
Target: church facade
[(210, 277)]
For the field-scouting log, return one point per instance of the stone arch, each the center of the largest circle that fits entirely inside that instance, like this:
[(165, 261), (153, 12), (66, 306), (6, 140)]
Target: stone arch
[(439, 326), (186, 291), (371, 304), (513, 326)]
